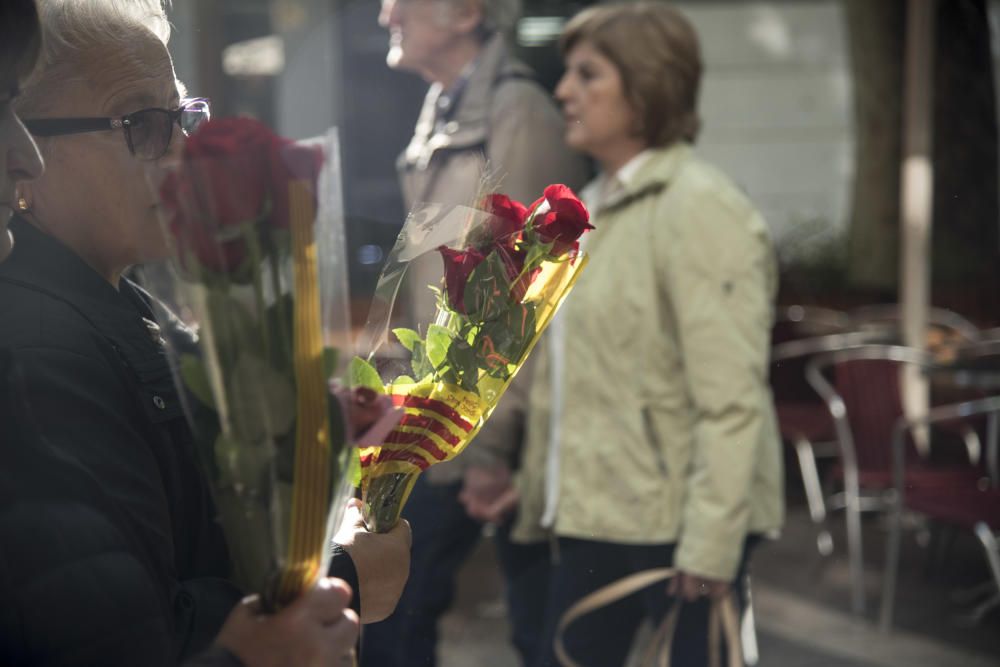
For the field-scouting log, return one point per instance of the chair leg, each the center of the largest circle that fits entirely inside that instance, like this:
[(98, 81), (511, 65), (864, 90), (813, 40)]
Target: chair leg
[(814, 493), (810, 479), (855, 549), (992, 549), (891, 567), (748, 627)]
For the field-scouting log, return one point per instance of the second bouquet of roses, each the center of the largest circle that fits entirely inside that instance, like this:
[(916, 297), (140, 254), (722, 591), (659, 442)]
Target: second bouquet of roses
[(506, 271)]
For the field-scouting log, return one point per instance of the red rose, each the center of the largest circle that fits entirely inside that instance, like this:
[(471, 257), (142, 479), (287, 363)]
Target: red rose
[(235, 174), (194, 235), (565, 221), (507, 218), (458, 266), (228, 163)]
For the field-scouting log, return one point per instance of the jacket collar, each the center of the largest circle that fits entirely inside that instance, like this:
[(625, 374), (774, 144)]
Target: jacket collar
[(469, 124), (43, 264), (659, 169)]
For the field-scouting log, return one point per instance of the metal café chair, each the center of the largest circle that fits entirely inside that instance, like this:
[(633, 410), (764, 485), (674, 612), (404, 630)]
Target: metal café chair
[(862, 390), (803, 418), (974, 505)]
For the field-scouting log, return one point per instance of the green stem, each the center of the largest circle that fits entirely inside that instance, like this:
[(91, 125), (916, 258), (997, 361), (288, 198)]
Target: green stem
[(284, 336), (253, 243)]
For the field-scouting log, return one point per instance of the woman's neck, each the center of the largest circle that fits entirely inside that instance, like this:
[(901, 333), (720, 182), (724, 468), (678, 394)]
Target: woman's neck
[(87, 251), (619, 155)]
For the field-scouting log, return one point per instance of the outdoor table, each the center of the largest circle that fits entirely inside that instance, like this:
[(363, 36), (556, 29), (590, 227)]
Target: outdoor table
[(980, 372)]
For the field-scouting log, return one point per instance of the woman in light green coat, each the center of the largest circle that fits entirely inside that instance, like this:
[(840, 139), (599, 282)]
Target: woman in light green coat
[(651, 439)]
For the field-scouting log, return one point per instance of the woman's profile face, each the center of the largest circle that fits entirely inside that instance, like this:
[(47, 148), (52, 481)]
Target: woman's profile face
[(94, 196), (19, 158), (592, 94)]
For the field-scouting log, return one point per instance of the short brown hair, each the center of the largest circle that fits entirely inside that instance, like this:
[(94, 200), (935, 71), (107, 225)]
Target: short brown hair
[(657, 55), (20, 40)]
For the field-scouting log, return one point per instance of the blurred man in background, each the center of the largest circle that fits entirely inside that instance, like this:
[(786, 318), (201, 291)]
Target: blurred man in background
[(484, 117)]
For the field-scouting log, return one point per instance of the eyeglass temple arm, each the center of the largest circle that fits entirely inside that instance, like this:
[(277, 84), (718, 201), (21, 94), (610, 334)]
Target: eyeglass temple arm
[(51, 127)]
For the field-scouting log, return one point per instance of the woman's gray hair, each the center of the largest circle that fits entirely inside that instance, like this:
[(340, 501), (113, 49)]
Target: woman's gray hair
[(74, 27)]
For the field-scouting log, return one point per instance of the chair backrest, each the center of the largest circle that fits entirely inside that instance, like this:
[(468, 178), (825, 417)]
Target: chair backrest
[(873, 402), (789, 360), (862, 389), (944, 326), (793, 324)]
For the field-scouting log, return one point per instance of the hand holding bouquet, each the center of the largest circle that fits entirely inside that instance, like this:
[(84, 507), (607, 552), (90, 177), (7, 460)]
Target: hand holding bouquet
[(504, 279)]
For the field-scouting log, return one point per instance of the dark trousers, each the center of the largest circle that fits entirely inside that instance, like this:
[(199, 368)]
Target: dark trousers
[(604, 638), (443, 538)]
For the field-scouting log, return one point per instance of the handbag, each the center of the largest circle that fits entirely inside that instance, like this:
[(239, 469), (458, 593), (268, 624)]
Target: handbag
[(723, 626)]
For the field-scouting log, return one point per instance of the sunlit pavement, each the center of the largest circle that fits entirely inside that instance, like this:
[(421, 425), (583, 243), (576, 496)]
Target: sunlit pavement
[(801, 604)]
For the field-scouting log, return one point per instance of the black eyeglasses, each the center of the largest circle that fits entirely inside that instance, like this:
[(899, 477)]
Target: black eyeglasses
[(147, 132)]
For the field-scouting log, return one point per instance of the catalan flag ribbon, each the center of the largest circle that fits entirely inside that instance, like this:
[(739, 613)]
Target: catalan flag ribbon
[(505, 277)]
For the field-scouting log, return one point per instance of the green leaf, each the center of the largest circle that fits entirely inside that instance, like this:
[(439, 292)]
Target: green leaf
[(261, 400), (487, 292), (354, 466), (464, 362), (407, 337), (196, 379), (363, 374), (537, 253), (438, 341), (419, 362)]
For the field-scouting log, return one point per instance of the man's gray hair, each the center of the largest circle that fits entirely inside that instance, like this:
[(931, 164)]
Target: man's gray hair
[(500, 15), (74, 27)]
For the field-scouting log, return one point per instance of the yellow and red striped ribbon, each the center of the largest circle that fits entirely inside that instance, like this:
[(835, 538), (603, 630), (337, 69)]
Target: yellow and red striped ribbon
[(312, 483)]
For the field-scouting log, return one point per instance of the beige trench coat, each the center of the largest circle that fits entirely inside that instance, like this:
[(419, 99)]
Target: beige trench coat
[(667, 430)]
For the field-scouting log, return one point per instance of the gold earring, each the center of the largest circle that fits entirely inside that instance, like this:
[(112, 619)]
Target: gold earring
[(22, 204)]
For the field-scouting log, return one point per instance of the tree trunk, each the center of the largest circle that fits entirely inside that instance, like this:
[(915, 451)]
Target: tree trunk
[(875, 43), (965, 242)]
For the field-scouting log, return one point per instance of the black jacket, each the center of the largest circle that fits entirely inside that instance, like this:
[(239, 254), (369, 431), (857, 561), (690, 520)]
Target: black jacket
[(109, 554), (108, 550)]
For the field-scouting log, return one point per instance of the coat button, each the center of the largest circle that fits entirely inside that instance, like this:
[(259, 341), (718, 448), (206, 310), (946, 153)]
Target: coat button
[(159, 402)]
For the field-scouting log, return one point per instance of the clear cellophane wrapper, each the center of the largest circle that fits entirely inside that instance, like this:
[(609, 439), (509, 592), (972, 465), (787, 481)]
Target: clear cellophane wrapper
[(450, 372), (258, 269)]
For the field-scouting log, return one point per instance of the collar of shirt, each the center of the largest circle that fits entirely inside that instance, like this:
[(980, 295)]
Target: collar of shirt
[(446, 102), (605, 189)]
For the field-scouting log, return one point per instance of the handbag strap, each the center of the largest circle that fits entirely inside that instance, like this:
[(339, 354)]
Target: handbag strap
[(723, 625)]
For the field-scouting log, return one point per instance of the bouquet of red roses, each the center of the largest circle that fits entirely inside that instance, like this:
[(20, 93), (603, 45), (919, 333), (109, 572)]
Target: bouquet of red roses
[(258, 268), (507, 269)]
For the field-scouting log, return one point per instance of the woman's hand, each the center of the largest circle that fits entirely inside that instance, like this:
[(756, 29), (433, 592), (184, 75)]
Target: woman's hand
[(316, 630), (382, 562), (488, 493), (691, 587), (372, 415)]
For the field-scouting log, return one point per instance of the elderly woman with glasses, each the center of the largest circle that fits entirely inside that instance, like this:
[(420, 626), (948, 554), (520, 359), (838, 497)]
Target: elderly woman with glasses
[(109, 552)]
